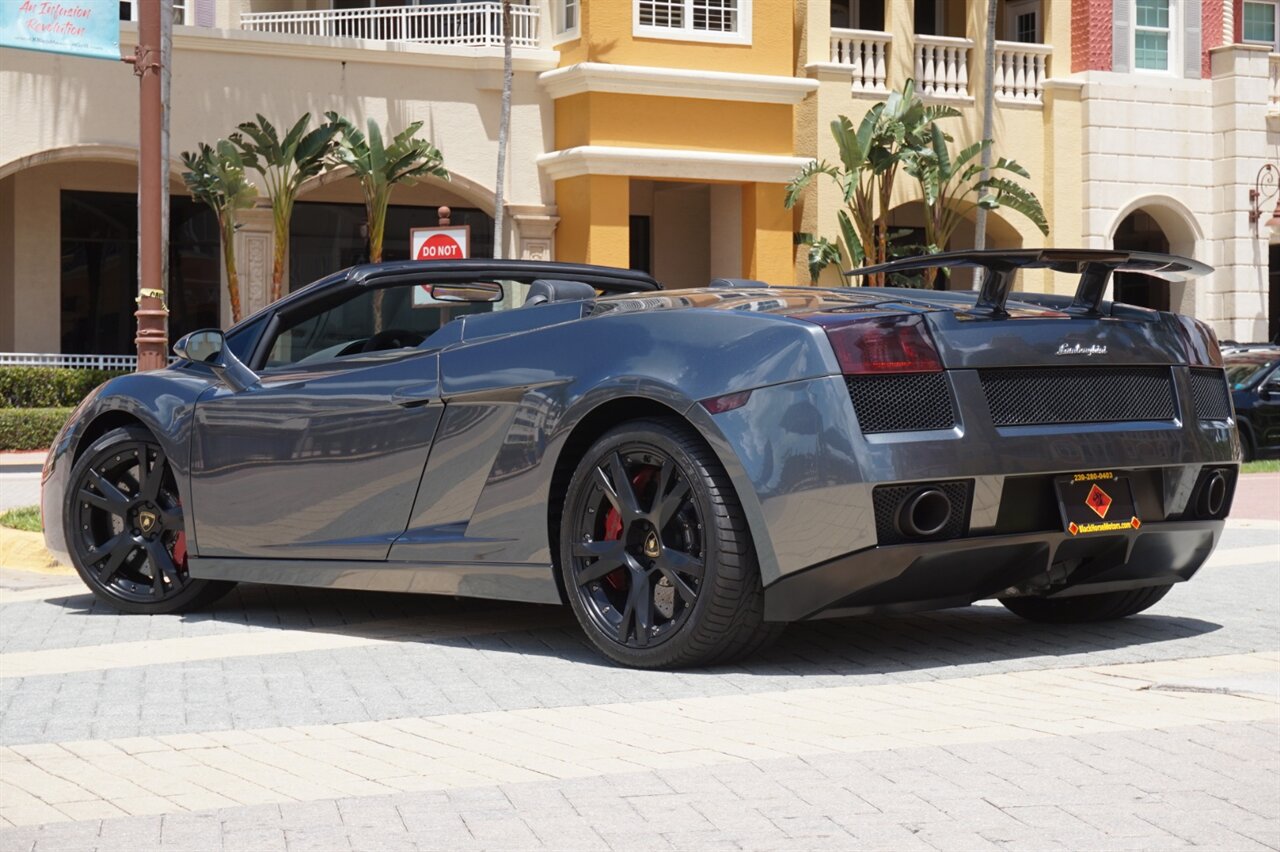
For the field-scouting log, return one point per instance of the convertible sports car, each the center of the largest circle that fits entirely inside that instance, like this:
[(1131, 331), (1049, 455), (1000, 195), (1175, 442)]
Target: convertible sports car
[(688, 470)]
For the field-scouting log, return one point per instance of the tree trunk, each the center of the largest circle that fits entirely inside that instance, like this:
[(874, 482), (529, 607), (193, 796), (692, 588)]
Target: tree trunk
[(227, 224), (504, 130), (988, 128), (281, 213)]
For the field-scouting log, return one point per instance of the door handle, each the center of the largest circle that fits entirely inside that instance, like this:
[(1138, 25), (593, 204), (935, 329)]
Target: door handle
[(412, 395)]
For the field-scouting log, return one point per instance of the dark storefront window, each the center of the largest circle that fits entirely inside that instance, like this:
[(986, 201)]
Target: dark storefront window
[(100, 270), (325, 237)]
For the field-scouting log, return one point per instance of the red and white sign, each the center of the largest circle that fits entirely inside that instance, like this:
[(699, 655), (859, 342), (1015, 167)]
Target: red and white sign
[(451, 242)]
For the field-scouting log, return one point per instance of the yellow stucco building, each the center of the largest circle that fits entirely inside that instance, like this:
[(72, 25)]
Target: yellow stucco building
[(674, 138)]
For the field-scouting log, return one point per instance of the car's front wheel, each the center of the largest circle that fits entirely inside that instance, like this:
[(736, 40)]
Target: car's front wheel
[(1101, 607), (124, 527), (655, 554)]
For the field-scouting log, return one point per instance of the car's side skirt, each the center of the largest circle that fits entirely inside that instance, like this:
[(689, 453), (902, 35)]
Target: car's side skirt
[(530, 583)]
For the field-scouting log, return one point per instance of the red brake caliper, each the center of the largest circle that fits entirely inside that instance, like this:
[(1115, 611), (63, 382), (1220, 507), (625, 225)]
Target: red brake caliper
[(619, 578)]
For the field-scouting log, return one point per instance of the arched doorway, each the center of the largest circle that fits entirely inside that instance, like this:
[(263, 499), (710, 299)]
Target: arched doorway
[(1158, 224), (906, 230), (1139, 231)]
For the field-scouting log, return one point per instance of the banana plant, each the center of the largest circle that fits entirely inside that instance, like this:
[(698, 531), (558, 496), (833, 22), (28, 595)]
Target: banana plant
[(380, 167), (954, 189), (870, 157), (285, 164), (215, 176)]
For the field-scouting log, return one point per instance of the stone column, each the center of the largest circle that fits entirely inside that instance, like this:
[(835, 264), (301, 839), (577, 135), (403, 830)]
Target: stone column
[(255, 242), (535, 230), (1236, 304)]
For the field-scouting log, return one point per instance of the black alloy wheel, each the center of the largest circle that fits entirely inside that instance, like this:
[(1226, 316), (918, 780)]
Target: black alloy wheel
[(124, 527), (655, 556)]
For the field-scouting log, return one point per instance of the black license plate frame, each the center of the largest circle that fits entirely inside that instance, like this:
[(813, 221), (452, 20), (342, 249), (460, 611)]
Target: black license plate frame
[(1096, 502)]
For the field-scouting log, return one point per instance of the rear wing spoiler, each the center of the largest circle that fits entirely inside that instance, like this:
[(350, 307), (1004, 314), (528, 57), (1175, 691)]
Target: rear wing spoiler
[(1094, 266)]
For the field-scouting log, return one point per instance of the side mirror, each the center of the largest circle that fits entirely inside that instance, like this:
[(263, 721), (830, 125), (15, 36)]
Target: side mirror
[(1270, 389), (209, 346)]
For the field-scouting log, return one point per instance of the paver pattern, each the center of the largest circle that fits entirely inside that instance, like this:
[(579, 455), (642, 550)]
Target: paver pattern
[(296, 719)]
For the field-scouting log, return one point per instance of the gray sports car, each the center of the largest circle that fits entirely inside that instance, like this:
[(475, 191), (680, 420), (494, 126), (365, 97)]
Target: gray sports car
[(688, 470)]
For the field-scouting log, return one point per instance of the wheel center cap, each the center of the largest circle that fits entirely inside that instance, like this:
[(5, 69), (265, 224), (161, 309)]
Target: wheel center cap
[(651, 546), (147, 521)]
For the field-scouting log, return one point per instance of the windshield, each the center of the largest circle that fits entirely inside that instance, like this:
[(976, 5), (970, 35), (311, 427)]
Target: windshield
[(1241, 374)]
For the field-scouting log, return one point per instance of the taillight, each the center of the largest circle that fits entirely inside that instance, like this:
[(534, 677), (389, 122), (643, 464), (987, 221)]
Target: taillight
[(884, 344), (1200, 343)]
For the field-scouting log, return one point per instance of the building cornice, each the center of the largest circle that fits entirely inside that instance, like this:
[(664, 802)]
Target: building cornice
[(674, 83), (243, 42), (672, 163)]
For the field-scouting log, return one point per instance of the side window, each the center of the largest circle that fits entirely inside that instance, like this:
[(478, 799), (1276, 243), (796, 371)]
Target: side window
[(372, 321)]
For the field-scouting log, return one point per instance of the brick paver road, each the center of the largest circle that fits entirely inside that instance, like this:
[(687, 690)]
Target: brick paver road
[(288, 719)]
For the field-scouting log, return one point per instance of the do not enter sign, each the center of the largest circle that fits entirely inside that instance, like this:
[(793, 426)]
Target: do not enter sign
[(448, 243)]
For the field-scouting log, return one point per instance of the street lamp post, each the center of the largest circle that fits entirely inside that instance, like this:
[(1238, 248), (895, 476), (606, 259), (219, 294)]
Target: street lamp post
[(149, 62)]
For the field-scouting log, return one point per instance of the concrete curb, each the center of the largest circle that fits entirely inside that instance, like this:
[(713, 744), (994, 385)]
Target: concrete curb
[(24, 551)]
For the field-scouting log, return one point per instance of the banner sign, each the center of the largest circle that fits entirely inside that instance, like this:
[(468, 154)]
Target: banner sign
[(450, 242), (77, 27)]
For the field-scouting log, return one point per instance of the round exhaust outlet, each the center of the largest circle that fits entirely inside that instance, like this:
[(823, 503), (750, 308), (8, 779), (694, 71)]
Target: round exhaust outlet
[(1213, 495), (924, 513)]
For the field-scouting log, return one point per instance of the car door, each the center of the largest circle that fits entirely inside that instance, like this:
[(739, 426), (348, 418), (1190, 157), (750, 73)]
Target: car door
[(1267, 414), (323, 458)]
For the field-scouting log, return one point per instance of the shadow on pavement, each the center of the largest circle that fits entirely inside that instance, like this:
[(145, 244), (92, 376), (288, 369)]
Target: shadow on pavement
[(982, 633)]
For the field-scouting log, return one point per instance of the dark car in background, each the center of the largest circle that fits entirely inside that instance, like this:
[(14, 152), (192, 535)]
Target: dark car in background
[(689, 470), (1253, 372)]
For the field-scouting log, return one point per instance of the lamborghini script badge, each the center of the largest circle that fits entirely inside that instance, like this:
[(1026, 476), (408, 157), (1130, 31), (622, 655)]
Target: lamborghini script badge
[(1076, 349), (146, 520), (651, 546)]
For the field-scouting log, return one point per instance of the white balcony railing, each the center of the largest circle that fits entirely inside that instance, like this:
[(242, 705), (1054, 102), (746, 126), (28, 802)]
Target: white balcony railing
[(942, 66), (85, 362), (1021, 70), (476, 24), (866, 53)]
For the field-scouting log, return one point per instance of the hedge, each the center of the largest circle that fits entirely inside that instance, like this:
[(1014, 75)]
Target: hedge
[(30, 428), (48, 387)]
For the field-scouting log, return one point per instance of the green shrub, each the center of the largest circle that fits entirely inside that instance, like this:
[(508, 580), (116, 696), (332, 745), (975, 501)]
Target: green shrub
[(26, 519), (48, 387), (30, 428)]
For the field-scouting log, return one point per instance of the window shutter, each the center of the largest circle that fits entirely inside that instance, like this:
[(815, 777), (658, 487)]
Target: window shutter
[(1121, 36), (205, 13), (1191, 27)]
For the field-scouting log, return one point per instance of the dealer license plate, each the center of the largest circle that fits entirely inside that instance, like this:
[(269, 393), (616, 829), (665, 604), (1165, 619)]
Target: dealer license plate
[(1096, 502)]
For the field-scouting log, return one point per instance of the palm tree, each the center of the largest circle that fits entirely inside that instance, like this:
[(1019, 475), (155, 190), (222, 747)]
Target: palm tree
[(285, 164), (955, 188), (379, 167), (504, 130), (869, 162), (216, 177)]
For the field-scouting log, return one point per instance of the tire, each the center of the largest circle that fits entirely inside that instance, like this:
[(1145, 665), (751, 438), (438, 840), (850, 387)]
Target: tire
[(125, 531), (658, 563), (1247, 451), (1101, 607)]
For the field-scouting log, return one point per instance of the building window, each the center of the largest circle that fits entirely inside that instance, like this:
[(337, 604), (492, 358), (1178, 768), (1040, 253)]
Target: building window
[(1022, 21), (1259, 25), (129, 10), (695, 20), (1152, 35), (566, 19)]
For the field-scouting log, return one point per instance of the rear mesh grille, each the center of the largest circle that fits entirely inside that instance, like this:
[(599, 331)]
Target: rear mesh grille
[(905, 402), (887, 498), (1209, 394), (1039, 396)]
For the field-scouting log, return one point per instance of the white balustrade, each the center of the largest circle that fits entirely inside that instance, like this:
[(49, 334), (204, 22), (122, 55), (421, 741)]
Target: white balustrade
[(1020, 71), (477, 24), (84, 362), (942, 66), (866, 53)]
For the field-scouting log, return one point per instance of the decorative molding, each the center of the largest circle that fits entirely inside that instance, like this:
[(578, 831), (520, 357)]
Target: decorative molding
[(535, 249), (669, 163), (674, 83)]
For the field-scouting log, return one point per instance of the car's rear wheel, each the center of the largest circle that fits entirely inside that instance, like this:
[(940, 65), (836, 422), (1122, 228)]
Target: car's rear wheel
[(1101, 607), (124, 526), (655, 554)]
